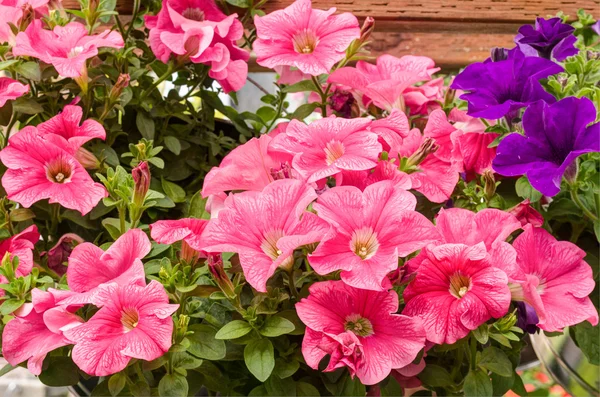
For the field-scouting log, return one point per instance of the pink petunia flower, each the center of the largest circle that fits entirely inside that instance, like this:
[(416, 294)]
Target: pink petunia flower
[(526, 214), (327, 146), (367, 235), (11, 89), (199, 31), (489, 226), (359, 330), (90, 266), (456, 289), (187, 230), (473, 142), (556, 281), (38, 329), (384, 171), (310, 40), (21, 246), (250, 166), (424, 99), (383, 84), (134, 321), (39, 169), (67, 130), (67, 48), (265, 228), (9, 15)]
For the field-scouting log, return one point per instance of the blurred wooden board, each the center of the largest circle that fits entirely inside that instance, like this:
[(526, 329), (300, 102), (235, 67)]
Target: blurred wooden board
[(454, 33)]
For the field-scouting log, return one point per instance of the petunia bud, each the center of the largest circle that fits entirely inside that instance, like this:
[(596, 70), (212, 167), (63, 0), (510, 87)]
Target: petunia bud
[(427, 147), (344, 104), (87, 159), (507, 322), (141, 178), (215, 266), (526, 214), (188, 254), (59, 254), (527, 318), (115, 92), (27, 18), (366, 29), (8, 270), (489, 187), (499, 54)]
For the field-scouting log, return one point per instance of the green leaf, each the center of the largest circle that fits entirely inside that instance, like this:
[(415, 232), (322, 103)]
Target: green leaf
[(6, 64), (301, 86), (61, 371), (481, 333), (30, 70), (260, 358), (276, 326), (478, 384), (234, 329), (285, 368), (304, 389), (173, 190), (435, 376), (197, 207), (6, 369), (27, 106), (185, 360), (280, 387), (587, 338), (145, 125), (526, 191), (173, 385), (240, 3), (116, 383), (173, 144), (10, 305), (112, 226), (203, 343), (495, 360), (304, 111), (266, 113)]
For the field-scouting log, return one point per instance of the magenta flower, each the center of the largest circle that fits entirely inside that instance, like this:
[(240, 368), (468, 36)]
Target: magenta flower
[(456, 289), (67, 48), (250, 166), (37, 329), (187, 230), (21, 246), (265, 228), (300, 36), (383, 84), (90, 266), (367, 239), (67, 126), (556, 280), (327, 146), (359, 330), (526, 214), (11, 89), (39, 169), (555, 135), (133, 322)]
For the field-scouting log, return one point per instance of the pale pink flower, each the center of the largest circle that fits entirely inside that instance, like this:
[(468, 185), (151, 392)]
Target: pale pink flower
[(423, 99), (38, 329), (489, 226), (9, 14), (290, 75), (134, 321), (67, 48), (457, 288), (310, 40), (187, 230), (384, 171), (67, 126), (21, 246), (473, 142), (445, 135), (250, 166), (359, 330), (90, 266), (383, 84), (371, 229), (39, 169), (556, 280), (526, 214), (392, 131), (265, 228), (11, 89), (327, 146)]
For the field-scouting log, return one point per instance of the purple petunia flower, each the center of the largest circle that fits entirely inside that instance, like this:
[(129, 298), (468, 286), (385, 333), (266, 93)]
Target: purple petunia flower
[(555, 135), (550, 38), (527, 318), (501, 88)]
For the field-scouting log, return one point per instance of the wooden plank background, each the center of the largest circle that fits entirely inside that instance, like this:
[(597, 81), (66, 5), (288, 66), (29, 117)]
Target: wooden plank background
[(452, 32)]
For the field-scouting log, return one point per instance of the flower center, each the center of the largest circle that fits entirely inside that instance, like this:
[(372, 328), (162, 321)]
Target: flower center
[(59, 170), (74, 52), (364, 243), (305, 41), (459, 285), (358, 325), (269, 243), (333, 151), (129, 319), (195, 14)]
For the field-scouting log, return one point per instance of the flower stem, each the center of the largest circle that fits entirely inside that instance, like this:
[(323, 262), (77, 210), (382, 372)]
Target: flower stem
[(575, 197), (473, 344), (171, 68), (322, 94), (292, 285)]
